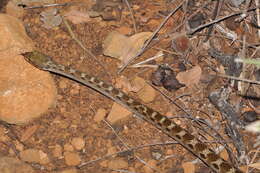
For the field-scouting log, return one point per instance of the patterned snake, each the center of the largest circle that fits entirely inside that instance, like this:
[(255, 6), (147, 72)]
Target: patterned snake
[(167, 126)]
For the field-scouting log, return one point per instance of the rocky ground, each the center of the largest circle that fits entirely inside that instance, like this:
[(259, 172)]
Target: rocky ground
[(50, 124)]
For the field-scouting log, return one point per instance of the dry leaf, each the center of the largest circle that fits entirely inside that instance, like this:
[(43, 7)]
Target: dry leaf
[(114, 44), (255, 165), (145, 92), (124, 48), (190, 77), (124, 84), (77, 17), (188, 167), (139, 83), (137, 41), (181, 43), (117, 113)]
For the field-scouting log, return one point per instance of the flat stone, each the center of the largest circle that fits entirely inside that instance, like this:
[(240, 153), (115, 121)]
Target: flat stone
[(78, 143), (72, 158), (34, 156), (100, 115), (68, 147)]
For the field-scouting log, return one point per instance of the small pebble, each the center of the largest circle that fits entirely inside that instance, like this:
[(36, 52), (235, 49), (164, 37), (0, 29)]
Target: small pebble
[(34, 156), (72, 158), (100, 115), (68, 147), (78, 143)]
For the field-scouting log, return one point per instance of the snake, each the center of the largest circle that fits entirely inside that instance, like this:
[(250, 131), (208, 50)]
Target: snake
[(195, 146)]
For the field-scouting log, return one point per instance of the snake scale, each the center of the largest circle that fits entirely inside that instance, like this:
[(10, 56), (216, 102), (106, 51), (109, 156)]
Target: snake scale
[(167, 126)]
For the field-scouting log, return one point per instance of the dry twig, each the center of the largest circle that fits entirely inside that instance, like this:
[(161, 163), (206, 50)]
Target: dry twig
[(84, 48), (151, 38), (127, 147), (199, 28), (132, 15)]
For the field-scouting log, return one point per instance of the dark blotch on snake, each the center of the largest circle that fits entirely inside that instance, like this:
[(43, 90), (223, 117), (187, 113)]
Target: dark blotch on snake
[(200, 147), (215, 166)]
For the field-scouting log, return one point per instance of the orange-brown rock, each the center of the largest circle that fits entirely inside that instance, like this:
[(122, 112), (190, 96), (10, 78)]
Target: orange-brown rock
[(13, 38), (34, 156), (78, 143), (13, 9), (72, 158), (100, 115), (25, 92)]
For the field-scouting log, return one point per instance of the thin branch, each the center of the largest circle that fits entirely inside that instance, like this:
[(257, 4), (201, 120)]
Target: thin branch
[(44, 6), (124, 151), (147, 60), (239, 79), (215, 14), (132, 14), (84, 48), (122, 141), (245, 11), (199, 28), (151, 38), (258, 16)]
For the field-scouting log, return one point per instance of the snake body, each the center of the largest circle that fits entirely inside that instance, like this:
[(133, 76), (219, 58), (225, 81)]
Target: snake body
[(167, 126)]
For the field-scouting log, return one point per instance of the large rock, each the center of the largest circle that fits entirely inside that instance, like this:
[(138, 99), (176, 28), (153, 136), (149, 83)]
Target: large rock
[(13, 38), (25, 92)]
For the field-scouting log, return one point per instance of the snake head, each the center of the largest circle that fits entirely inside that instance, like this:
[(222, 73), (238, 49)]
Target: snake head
[(37, 59)]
